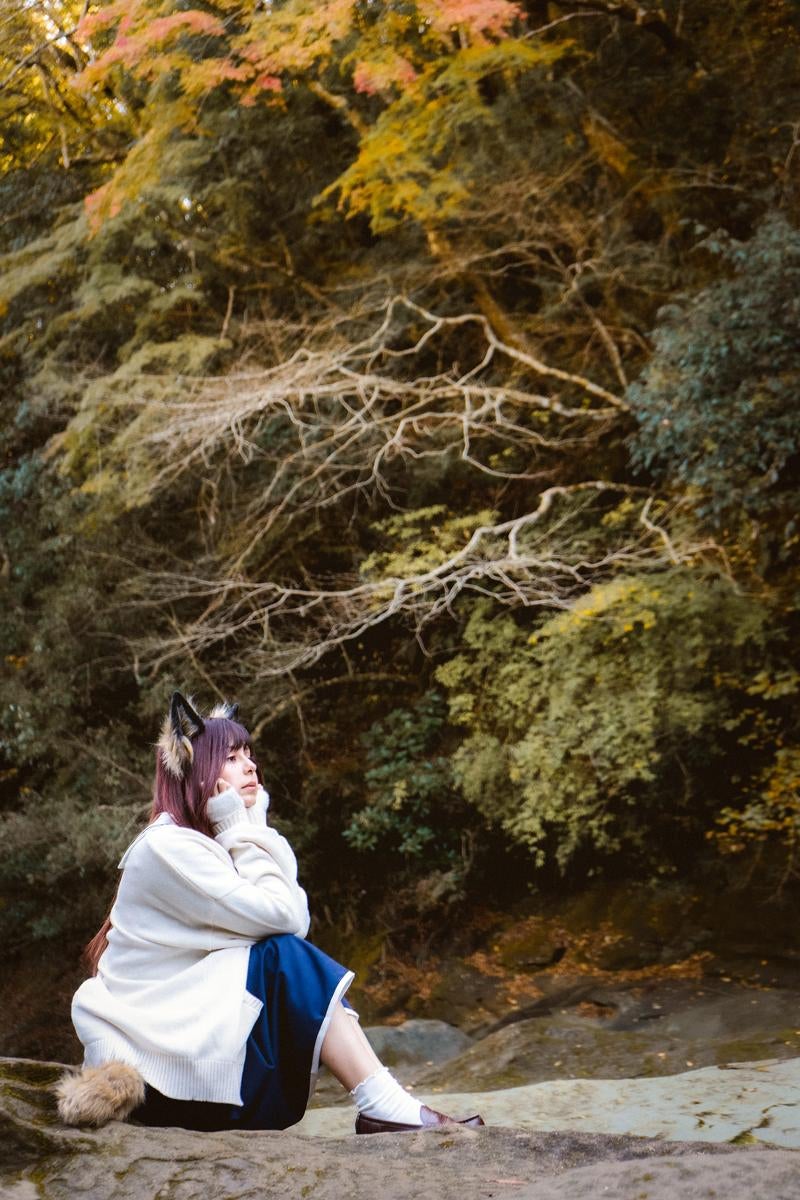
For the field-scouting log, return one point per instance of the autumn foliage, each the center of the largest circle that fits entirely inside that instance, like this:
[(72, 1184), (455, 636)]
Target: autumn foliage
[(421, 374)]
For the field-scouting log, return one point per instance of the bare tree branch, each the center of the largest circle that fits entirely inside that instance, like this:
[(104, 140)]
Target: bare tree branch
[(333, 420), (329, 423), (515, 563)]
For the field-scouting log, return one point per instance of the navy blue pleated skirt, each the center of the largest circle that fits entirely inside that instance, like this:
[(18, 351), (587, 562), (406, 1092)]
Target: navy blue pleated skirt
[(299, 987)]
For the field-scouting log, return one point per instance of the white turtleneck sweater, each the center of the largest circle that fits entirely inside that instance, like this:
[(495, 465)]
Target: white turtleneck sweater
[(169, 996)]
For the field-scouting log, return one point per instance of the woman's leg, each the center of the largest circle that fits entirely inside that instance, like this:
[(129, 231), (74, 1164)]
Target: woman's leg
[(346, 1052), (349, 1056)]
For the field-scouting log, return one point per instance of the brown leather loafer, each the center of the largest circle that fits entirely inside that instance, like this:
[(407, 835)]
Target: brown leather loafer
[(430, 1118)]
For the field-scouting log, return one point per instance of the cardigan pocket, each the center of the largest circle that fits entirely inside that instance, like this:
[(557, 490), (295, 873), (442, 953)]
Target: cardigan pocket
[(251, 1010)]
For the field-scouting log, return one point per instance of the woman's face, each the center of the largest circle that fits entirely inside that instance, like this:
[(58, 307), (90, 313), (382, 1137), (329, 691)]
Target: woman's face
[(239, 772)]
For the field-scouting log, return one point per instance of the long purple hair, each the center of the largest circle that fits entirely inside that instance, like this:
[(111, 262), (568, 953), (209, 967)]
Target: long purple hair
[(185, 799)]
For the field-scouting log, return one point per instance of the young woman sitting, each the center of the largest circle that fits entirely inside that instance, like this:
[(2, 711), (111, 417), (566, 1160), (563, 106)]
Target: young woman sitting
[(206, 1008)]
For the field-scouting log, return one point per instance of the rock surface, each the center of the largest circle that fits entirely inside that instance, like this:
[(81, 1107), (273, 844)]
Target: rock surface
[(42, 1160), (756, 1102)]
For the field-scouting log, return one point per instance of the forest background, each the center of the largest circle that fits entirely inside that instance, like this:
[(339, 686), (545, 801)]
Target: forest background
[(424, 377)]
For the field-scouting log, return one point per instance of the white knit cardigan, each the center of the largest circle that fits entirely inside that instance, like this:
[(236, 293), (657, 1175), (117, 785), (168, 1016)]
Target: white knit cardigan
[(170, 993)]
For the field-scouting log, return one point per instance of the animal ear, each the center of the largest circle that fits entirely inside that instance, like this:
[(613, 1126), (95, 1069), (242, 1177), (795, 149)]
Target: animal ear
[(182, 724), (229, 711)]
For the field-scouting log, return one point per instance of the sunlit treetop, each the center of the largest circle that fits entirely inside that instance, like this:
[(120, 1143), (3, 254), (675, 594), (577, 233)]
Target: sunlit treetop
[(413, 69), (266, 49), (42, 115)]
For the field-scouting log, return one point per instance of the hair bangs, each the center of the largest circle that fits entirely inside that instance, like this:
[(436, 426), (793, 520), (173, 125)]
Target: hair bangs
[(225, 734)]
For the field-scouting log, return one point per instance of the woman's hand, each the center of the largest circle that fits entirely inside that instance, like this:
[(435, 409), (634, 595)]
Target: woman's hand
[(225, 806), (248, 800), (257, 814)]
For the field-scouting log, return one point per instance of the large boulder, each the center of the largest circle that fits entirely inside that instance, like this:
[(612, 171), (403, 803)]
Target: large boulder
[(417, 1041), (617, 1030), (42, 1160)]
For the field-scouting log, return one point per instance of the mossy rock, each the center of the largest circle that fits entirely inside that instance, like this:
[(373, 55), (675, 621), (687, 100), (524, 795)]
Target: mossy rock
[(29, 1124), (41, 1160)]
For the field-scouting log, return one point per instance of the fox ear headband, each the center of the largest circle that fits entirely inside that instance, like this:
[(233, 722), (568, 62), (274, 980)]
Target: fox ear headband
[(181, 725)]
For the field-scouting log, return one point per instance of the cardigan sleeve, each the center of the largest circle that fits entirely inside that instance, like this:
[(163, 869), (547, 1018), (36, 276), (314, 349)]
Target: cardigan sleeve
[(251, 898), (256, 848), (257, 851)]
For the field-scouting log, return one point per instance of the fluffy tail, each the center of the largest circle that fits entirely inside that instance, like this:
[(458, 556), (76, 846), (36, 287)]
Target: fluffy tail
[(96, 1095)]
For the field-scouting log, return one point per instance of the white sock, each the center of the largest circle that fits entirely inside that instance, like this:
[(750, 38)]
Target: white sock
[(381, 1097)]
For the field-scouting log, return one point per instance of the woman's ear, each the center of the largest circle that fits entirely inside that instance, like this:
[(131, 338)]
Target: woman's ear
[(182, 723)]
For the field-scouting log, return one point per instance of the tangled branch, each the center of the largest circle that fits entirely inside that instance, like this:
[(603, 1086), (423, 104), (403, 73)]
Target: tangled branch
[(529, 561), (335, 420)]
